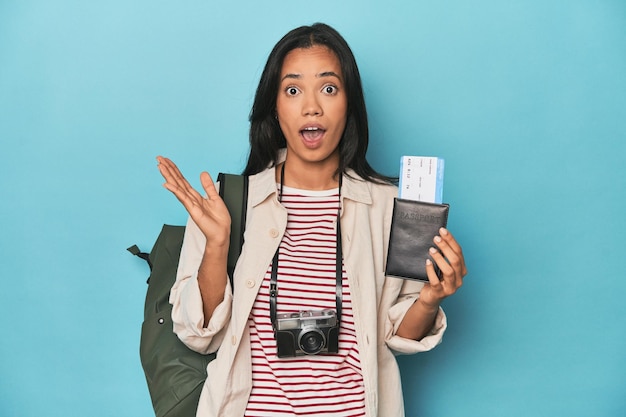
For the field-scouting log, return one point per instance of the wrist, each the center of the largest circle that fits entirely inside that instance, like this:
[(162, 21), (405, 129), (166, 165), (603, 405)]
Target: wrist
[(427, 307), (214, 250)]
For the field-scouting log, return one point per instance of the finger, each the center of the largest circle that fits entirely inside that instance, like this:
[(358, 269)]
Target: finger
[(433, 279), (171, 173), (454, 247), (176, 182), (450, 277), (448, 253)]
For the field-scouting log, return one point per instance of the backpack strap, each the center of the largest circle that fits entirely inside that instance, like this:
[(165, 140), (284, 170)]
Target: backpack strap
[(234, 192), (143, 255)]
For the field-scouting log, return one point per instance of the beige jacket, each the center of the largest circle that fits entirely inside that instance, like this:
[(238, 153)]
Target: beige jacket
[(379, 302)]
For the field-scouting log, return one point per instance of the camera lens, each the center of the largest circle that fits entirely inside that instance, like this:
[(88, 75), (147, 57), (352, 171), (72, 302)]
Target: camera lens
[(311, 341)]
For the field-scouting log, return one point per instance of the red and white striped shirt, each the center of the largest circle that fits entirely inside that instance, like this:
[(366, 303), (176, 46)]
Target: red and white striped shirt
[(310, 385)]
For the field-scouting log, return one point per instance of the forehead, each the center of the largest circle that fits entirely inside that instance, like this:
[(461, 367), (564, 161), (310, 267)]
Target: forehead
[(311, 61)]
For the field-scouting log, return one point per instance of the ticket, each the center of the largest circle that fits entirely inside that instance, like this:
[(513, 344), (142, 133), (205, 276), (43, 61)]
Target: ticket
[(421, 178)]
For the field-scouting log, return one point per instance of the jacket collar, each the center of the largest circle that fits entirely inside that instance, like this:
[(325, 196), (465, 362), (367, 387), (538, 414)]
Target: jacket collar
[(263, 184)]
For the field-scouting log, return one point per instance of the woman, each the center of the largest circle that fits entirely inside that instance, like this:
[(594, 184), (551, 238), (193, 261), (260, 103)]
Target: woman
[(315, 245)]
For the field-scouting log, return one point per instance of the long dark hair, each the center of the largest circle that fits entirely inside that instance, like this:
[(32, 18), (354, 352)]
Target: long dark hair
[(266, 137)]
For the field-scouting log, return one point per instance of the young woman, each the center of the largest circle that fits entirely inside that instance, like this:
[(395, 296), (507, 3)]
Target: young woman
[(312, 324)]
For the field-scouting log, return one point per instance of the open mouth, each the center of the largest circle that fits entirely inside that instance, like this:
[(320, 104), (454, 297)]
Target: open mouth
[(312, 133)]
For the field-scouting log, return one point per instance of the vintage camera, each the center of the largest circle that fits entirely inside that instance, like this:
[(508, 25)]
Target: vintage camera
[(307, 333)]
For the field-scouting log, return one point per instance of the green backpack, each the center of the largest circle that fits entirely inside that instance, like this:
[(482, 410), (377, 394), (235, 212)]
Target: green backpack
[(175, 374)]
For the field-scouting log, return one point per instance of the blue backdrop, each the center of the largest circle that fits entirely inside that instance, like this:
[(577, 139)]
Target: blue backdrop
[(526, 101)]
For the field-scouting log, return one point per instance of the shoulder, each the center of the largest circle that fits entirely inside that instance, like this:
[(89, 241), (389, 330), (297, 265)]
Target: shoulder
[(261, 186), (356, 188), (385, 190), (383, 197)]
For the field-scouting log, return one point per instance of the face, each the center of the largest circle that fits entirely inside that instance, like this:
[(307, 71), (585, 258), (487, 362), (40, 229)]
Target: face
[(311, 107)]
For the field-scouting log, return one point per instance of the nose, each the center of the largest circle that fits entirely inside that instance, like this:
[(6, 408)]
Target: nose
[(311, 106)]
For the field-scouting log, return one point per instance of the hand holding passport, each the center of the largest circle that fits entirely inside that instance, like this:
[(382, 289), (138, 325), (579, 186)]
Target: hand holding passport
[(417, 217)]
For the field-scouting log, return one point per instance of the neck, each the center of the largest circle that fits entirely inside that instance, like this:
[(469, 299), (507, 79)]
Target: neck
[(314, 177)]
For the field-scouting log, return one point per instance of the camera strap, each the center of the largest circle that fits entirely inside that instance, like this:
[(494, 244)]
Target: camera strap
[(339, 258)]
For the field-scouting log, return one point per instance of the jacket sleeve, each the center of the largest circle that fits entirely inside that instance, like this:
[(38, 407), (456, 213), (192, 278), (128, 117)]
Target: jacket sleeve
[(409, 293), (187, 312)]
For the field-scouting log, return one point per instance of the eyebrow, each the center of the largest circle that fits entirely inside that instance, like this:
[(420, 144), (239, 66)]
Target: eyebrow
[(320, 75)]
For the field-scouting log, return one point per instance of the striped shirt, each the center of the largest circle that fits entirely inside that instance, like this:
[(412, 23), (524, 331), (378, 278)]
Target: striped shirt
[(309, 385)]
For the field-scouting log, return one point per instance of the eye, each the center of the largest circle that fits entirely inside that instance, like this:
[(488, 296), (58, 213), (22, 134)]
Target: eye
[(330, 89), (291, 91)]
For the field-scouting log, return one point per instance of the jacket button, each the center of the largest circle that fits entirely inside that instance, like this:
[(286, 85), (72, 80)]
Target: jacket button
[(273, 233), (250, 283), (233, 340)]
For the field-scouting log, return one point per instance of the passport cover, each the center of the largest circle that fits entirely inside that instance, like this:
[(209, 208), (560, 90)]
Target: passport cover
[(413, 226)]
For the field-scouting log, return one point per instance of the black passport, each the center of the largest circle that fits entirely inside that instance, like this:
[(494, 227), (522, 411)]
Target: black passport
[(413, 228)]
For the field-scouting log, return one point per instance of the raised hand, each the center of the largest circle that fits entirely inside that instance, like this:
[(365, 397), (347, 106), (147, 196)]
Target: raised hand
[(209, 213)]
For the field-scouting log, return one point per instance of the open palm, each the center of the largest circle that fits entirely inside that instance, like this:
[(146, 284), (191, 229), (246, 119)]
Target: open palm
[(209, 213)]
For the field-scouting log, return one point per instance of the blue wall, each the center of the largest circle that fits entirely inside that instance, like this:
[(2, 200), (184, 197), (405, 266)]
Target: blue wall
[(526, 101)]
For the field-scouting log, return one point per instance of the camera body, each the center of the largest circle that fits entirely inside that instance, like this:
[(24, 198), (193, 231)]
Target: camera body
[(307, 332)]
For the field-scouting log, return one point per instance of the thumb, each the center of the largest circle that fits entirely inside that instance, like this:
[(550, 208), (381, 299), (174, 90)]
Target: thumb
[(208, 185)]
